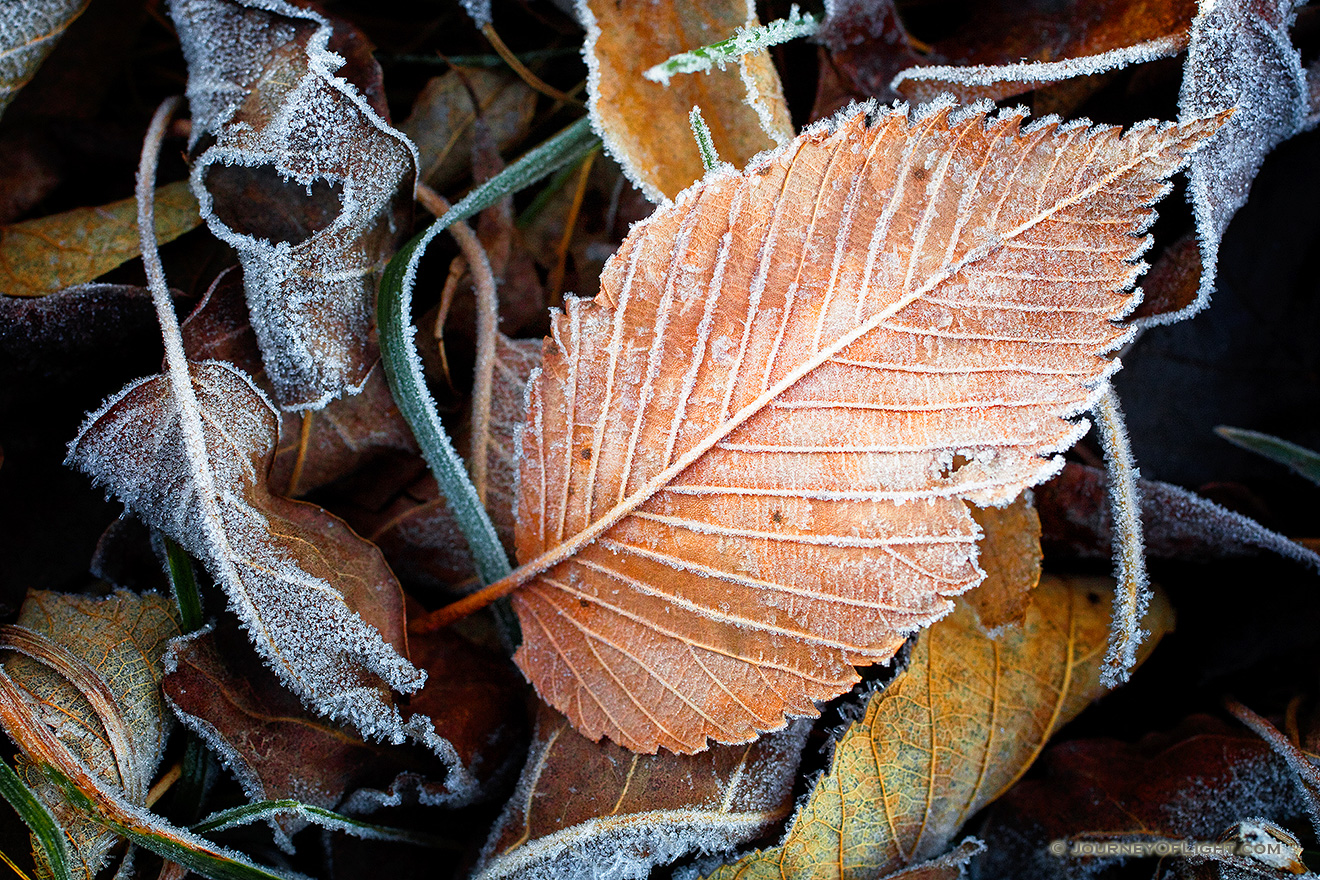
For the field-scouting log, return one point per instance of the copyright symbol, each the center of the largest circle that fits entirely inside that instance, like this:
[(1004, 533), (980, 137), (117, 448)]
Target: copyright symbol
[(1058, 847)]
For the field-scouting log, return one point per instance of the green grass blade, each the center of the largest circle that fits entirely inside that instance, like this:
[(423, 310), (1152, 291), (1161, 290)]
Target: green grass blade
[(151, 832), (183, 584), (249, 813), (745, 41), (403, 367), (38, 817), (1304, 461)]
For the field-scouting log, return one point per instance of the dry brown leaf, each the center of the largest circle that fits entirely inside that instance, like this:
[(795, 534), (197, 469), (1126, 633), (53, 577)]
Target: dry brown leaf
[(303, 176), (277, 749), (442, 121), (319, 603), (745, 463), (645, 124), (949, 735), (1190, 783), (90, 670), (42, 256), (580, 804), (1011, 557), (315, 447)]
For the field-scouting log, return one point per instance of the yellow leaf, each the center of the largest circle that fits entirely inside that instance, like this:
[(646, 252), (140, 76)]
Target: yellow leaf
[(48, 254), (90, 670), (949, 735)]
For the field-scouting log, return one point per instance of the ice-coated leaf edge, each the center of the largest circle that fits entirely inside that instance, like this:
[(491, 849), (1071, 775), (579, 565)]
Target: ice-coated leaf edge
[(322, 63), (393, 669), (403, 366)]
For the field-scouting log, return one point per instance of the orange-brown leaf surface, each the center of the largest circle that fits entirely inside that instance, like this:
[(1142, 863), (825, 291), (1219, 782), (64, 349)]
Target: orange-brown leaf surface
[(745, 463), (645, 124)]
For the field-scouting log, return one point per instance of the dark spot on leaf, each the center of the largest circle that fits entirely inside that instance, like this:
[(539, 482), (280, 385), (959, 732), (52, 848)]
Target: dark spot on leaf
[(585, 453), (776, 517), (1093, 598)]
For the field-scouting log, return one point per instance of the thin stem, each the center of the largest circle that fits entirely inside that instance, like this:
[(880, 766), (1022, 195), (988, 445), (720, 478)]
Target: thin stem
[(556, 281), (488, 31), (146, 205), (1132, 595), (488, 317), (403, 367)]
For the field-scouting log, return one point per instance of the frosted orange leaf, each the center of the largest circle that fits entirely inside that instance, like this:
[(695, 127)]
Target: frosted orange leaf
[(746, 463)]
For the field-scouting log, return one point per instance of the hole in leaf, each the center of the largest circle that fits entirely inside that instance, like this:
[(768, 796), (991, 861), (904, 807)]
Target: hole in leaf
[(953, 465), (261, 202)]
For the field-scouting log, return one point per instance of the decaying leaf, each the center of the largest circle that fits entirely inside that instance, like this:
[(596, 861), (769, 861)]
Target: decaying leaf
[(90, 670), (951, 733), (76, 330), (442, 121), (1177, 524), (745, 463), (303, 176), (415, 528), (28, 31), (585, 809), (42, 256), (1241, 57), (318, 602), (315, 447), (277, 749), (645, 124), (1011, 556), (992, 55), (1191, 783)]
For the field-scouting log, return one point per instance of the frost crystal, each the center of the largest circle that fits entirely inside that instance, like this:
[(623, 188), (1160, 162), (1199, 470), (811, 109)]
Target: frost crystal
[(926, 82), (261, 83), (1240, 56), (298, 579)]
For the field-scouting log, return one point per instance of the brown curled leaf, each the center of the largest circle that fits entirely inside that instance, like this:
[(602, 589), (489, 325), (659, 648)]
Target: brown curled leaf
[(581, 802), (302, 174), (319, 603)]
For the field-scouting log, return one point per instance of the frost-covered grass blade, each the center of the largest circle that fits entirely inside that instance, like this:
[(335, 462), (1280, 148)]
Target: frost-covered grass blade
[(745, 41), (37, 816), (403, 367), (250, 813)]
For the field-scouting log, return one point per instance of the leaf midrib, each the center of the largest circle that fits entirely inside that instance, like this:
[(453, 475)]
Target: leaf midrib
[(570, 547)]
